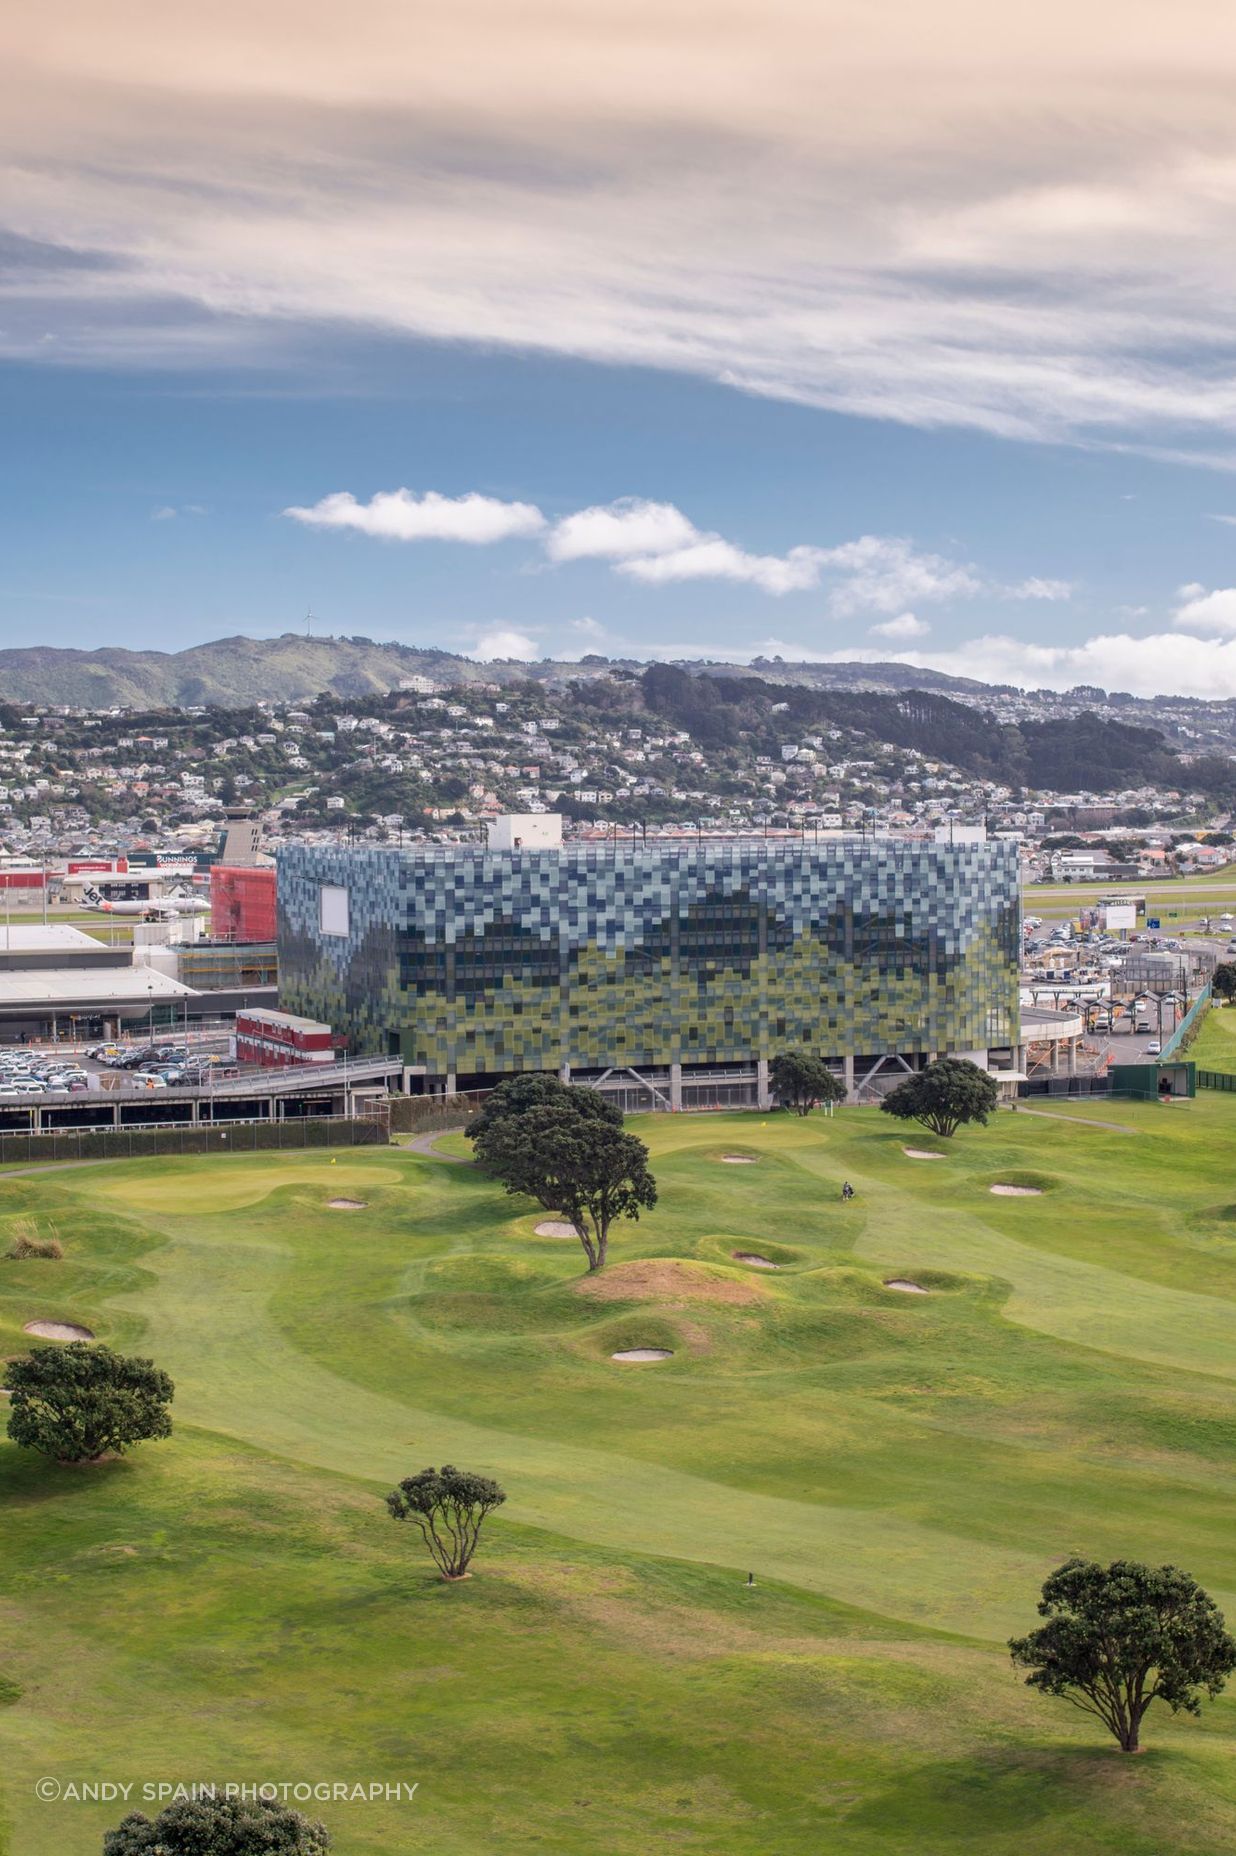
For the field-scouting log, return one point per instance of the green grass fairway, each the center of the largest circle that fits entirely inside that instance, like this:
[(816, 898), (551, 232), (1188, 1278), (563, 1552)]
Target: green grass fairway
[(1214, 1047), (899, 1471)]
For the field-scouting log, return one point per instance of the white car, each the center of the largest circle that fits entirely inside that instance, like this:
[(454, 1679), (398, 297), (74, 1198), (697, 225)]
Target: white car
[(1154, 1048)]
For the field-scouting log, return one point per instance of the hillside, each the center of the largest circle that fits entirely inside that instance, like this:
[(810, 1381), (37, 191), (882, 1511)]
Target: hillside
[(232, 672)]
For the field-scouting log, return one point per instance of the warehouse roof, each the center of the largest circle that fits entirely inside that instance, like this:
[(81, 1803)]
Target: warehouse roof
[(84, 985)]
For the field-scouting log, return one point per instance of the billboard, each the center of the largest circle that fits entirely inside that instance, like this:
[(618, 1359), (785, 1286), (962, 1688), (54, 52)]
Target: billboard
[(1118, 916)]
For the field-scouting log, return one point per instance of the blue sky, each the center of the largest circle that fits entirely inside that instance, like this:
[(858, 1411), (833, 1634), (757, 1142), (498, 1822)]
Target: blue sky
[(568, 330)]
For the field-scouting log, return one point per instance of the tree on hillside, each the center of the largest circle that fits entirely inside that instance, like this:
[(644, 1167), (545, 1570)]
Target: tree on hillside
[(539, 1090), (572, 1161), (80, 1402), (802, 1080), (449, 1506), (1121, 1636), (218, 1827), (943, 1096), (1223, 980)]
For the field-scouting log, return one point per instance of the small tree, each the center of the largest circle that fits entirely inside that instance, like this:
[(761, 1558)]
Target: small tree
[(943, 1096), (572, 1161), (520, 1094), (218, 1827), (802, 1080), (449, 1506), (1223, 980), (75, 1403), (1121, 1636)]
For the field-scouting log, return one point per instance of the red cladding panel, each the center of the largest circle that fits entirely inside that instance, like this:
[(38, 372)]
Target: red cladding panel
[(242, 901)]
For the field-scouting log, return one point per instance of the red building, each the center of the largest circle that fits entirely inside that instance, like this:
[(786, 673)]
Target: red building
[(242, 902), (275, 1039)]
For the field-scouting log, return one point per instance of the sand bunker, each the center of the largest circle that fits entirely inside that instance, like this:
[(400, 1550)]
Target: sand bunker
[(907, 1288), (644, 1353), (756, 1262), (738, 1159), (666, 1279), (1017, 1192), (920, 1153), (57, 1330), (555, 1227), (348, 1205)]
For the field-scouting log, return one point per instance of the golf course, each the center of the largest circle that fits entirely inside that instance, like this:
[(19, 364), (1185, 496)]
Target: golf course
[(898, 1467)]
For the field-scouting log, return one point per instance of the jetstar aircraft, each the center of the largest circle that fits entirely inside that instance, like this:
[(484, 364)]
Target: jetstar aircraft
[(154, 909)]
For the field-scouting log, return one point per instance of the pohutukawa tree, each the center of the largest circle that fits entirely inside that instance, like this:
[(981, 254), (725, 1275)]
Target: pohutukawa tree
[(218, 1826), (449, 1506), (80, 1402), (573, 1158), (943, 1096), (1120, 1637), (802, 1081), (519, 1094)]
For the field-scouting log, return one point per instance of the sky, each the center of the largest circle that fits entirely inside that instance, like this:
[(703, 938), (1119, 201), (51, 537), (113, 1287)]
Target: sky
[(801, 329)]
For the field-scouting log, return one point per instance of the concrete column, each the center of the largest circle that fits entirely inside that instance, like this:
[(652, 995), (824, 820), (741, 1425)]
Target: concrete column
[(564, 1072), (1072, 1056), (450, 1089), (847, 1066), (675, 1085), (763, 1093)]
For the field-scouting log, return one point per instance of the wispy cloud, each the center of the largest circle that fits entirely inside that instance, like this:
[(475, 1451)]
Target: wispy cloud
[(936, 215)]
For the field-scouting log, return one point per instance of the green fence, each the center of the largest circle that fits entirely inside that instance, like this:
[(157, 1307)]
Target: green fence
[(242, 1137), (1215, 1079), (1188, 1027)]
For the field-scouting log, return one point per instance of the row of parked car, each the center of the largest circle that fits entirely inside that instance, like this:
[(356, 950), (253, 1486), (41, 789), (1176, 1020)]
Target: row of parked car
[(162, 1066), (22, 1075)]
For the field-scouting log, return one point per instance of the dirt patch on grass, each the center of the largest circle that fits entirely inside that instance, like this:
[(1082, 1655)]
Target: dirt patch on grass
[(57, 1330), (665, 1279), (754, 1261)]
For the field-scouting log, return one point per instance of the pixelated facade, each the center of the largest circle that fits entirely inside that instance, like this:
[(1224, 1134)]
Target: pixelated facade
[(469, 962)]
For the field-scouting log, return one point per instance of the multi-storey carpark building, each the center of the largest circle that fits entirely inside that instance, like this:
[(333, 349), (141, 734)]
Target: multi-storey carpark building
[(669, 972)]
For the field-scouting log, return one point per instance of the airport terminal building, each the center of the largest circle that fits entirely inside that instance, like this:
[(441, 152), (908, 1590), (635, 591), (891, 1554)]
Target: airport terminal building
[(667, 972)]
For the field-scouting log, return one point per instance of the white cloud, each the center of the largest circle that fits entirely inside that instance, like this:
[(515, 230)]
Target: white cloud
[(656, 543), (1168, 663), (885, 573), (907, 626), (505, 642), (168, 512), (1206, 612), (615, 531), (712, 558), (400, 515)]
